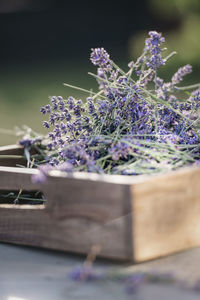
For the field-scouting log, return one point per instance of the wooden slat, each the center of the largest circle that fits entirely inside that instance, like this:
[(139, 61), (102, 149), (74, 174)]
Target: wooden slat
[(16, 153), (136, 218), (12, 150), (79, 213)]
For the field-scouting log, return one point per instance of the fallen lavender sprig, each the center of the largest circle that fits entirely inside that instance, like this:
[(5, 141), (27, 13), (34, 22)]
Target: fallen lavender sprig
[(131, 282), (135, 124)]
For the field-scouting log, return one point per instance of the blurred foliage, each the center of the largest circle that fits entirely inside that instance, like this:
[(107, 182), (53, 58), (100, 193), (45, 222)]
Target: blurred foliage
[(25, 88), (26, 85), (179, 21), (174, 8)]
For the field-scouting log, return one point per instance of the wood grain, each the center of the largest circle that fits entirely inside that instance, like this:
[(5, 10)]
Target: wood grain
[(12, 150), (13, 155), (166, 214), (137, 218), (79, 214)]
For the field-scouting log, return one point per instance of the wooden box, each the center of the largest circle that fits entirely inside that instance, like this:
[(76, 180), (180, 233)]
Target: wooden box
[(129, 217)]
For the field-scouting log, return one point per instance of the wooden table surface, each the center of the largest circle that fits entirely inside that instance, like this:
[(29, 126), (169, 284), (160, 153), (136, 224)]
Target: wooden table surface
[(34, 274)]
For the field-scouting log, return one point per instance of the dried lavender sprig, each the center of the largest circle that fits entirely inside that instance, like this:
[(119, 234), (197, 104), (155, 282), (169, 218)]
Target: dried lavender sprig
[(178, 76), (158, 100), (124, 107)]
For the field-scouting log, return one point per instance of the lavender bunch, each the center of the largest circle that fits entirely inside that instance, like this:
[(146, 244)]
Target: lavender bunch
[(135, 124)]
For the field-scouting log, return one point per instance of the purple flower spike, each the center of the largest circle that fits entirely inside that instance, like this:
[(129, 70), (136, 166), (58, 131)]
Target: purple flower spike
[(118, 130), (195, 95), (134, 282), (41, 176), (91, 106), (120, 150), (153, 46), (99, 57), (178, 76), (38, 178), (84, 273), (28, 141)]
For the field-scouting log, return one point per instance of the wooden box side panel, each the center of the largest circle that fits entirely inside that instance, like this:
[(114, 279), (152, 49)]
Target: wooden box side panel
[(13, 155), (166, 214), (18, 178), (35, 227), (11, 150), (78, 215)]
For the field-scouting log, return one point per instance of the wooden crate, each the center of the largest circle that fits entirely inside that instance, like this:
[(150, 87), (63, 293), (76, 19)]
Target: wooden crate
[(129, 217)]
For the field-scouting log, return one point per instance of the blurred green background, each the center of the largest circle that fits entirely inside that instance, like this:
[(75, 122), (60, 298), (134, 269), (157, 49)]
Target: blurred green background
[(46, 43)]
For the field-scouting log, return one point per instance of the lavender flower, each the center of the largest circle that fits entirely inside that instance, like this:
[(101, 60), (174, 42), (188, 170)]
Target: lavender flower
[(134, 282), (46, 124), (195, 95), (178, 76), (43, 110), (120, 150), (45, 169), (41, 176), (125, 128), (153, 46), (84, 273), (99, 57), (70, 102), (27, 141), (91, 106)]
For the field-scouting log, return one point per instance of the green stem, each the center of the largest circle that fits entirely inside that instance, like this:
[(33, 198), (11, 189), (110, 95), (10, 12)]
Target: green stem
[(170, 55), (188, 87), (23, 198), (78, 88)]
